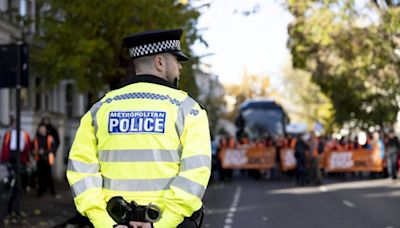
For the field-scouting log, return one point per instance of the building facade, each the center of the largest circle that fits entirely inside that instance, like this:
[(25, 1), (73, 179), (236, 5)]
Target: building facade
[(62, 103)]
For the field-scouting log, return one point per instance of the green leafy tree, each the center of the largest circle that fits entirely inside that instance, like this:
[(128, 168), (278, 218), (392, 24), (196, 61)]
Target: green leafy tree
[(303, 100), (251, 86), (82, 40), (352, 53)]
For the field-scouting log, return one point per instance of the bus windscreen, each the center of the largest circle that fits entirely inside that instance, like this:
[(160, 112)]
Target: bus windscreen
[(262, 122)]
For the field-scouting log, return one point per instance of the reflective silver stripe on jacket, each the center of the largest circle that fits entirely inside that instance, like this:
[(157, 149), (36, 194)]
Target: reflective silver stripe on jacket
[(184, 109), (195, 162), (189, 186), (137, 184), (93, 112), (82, 167), (139, 156), (85, 184)]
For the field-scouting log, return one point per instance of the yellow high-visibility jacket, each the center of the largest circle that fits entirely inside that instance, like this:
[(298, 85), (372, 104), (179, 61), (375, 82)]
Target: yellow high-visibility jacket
[(148, 142)]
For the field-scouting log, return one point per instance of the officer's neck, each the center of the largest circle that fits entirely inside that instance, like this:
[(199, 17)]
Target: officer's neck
[(154, 73)]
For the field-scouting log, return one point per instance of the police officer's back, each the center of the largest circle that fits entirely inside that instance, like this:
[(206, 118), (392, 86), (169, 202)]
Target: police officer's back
[(148, 141)]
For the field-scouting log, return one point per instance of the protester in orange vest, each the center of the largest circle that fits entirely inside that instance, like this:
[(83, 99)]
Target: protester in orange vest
[(9, 156), (301, 148), (245, 140), (279, 145), (292, 142), (392, 154), (10, 146), (231, 142), (51, 130), (44, 155), (315, 172), (225, 142)]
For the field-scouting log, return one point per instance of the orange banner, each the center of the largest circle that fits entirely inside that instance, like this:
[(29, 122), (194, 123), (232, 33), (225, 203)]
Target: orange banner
[(353, 161), (248, 158), (288, 160)]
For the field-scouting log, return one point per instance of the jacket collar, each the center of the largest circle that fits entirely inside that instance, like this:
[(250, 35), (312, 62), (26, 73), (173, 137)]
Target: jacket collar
[(151, 79)]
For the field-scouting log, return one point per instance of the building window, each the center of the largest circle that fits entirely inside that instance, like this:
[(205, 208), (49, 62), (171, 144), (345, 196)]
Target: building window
[(69, 99), (46, 102), (38, 95)]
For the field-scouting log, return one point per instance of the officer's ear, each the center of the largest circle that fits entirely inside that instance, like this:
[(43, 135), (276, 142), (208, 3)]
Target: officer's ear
[(160, 63)]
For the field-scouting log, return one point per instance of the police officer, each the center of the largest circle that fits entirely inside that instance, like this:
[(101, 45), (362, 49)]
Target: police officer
[(147, 142)]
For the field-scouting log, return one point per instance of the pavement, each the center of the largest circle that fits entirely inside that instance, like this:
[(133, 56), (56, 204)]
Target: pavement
[(47, 211)]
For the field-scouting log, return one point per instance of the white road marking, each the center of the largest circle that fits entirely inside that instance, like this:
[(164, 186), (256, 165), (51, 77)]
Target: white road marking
[(323, 188), (228, 221), (348, 203), (232, 209)]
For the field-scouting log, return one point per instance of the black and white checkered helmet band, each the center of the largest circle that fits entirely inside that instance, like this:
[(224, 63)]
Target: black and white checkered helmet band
[(158, 47)]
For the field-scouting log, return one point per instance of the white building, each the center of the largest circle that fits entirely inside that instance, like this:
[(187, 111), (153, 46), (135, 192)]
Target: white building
[(62, 103)]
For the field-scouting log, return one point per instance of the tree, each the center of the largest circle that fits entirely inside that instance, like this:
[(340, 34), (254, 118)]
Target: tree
[(352, 53), (82, 40), (303, 99), (251, 86)]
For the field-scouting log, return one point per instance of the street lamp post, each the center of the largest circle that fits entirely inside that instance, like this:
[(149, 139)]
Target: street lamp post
[(18, 128)]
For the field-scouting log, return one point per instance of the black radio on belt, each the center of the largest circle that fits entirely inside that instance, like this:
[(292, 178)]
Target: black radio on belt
[(123, 212)]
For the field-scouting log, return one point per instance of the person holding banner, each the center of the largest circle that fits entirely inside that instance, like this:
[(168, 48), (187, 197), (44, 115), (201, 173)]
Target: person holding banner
[(315, 172), (392, 154), (301, 149)]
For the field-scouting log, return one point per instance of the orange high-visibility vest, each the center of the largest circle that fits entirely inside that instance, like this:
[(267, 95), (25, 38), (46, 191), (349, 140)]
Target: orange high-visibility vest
[(49, 143), (7, 138), (293, 143), (285, 142), (224, 142), (5, 156), (315, 150), (231, 142)]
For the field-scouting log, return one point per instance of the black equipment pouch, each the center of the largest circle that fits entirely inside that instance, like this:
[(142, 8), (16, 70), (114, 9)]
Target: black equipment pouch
[(123, 212)]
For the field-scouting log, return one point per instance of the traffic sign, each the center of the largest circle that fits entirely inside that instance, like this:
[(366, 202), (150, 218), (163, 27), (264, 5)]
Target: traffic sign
[(9, 62)]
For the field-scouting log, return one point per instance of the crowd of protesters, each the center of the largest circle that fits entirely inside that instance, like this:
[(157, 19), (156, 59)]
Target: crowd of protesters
[(308, 149), (37, 154)]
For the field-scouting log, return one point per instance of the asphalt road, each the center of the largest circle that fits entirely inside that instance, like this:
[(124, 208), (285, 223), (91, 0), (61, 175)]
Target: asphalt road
[(353, 202)]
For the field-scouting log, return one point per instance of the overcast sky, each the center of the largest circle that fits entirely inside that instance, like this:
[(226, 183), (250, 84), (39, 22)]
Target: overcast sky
[(256, 43)]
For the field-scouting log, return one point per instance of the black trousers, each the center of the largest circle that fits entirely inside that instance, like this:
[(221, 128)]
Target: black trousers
[(45, 178), (16, 192)]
